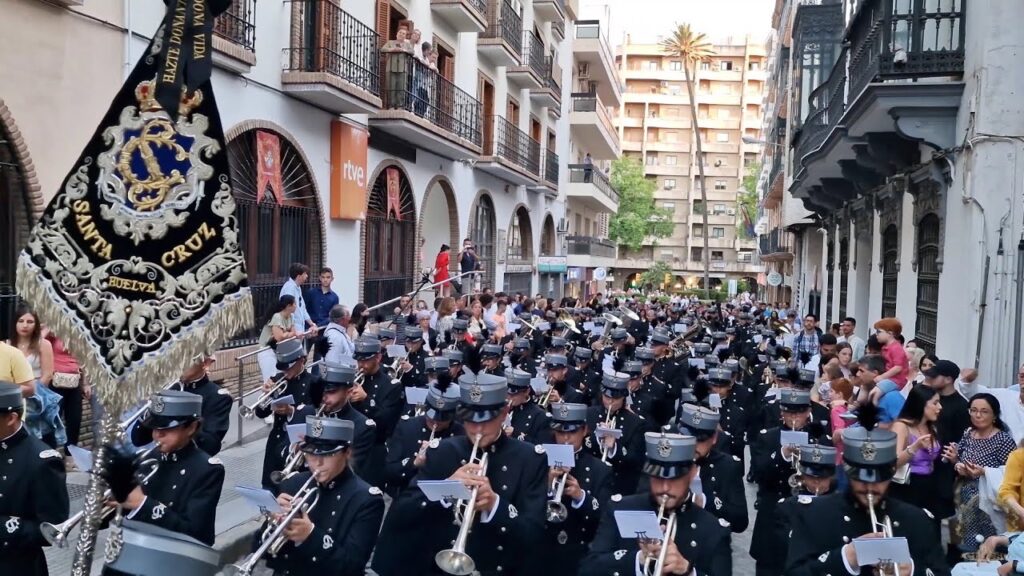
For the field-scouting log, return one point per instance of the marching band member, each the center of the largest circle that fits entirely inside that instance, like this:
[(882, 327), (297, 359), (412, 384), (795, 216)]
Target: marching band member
[(820, 542), (639, 401), (331, 396), (720, 473), (733, 410), (522, 357), (527, 421), (455, 367), (510, 503), (817, 478), (182, 494), (216, 404), (490, 359), (379, 400), (464, 343), (413, 370), (557, 368), (625, 454), (586, 489), (338, 534), (771, 466), (291, 360), (414, 435), (666, 368), (701, 543), (32, 481), (584, 377)]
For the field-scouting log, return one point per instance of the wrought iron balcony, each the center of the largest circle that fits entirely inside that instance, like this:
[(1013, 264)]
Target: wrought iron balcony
[(238, 24), (502, 41), (510, 153), (551, 168), (333, 59), (588, 174), (532, 70), (775, 245), (430, 100), (463, 15), (887, 40), (591, 246)]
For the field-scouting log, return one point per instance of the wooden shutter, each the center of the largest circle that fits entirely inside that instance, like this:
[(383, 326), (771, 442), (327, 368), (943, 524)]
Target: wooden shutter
[(383, 21)]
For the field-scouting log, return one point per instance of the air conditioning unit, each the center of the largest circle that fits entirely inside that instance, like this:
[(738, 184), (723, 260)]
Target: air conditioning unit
[(563, 225), (583, 70), (669, 187), (731, 211)]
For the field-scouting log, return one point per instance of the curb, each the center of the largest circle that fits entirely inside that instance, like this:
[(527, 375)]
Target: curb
[(236, 542)]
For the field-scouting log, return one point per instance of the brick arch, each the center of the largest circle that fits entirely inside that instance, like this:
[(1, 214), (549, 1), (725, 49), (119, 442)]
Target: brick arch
[(19, 188), (547, 230), (29, 180), (490, 264), (455, 241), (381, 166), (529, 233)]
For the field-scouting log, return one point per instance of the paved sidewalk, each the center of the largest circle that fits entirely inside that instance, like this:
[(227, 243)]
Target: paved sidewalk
[(236, 521)]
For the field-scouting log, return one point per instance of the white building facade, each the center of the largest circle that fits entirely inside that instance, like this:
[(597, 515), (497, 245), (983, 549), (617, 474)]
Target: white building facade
[(376, 159), (899, 187)]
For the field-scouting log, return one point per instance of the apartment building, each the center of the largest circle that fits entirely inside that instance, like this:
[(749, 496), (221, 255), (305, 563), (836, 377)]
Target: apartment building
[(382, 158), (655, 127), (594, 143), (894, 187)]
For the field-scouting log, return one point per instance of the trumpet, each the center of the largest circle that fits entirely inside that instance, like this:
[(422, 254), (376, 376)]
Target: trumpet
[(303, 502), (455, 560), (545, 400), (885, 527), (359, 379), (291, 467), (397, 371), (670, 534), (531, 328), (556, 512), (604, 447), (57, 534), (432, 442), (794, 478), (127, 422), (266, 398)]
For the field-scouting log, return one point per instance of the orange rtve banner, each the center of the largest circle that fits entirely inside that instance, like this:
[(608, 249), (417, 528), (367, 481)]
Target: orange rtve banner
[(348, 171)]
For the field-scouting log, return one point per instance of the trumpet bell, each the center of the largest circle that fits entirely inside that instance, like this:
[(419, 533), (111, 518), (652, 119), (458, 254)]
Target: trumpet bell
[(455, 562), (56, 535), (278, 476), (556, 513), (628, 313), (566, 318), (612, 318)]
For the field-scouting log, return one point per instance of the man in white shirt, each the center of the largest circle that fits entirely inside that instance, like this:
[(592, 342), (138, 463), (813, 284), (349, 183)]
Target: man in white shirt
[(297, 276), (337, 334), (847, 334)]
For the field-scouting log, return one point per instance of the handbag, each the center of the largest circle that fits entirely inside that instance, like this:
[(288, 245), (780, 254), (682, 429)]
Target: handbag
[(902, 475), (66, 380)]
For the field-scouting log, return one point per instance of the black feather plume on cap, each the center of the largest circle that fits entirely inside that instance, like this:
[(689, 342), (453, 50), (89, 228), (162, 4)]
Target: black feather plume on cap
[(444, 380), (867, 416), (322, 346)]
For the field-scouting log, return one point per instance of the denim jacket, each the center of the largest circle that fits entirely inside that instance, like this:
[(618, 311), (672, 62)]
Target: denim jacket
[(42, 414)]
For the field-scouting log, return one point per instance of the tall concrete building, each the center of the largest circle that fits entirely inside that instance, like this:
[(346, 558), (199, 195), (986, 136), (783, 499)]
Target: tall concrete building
[(654, 124)]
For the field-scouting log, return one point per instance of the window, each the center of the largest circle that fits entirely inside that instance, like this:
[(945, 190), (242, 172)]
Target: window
[(705, 65), (696, 254), (652, 65), (719, 209), (698, 230), (722, 136), (717, 232), (670, 206), (670, 160), (675, 65), (725, 65), (754, 66), (666, 254), (652, 160), (698, 207), (670, 183), (717, 255), (744, 256), (719, 184)]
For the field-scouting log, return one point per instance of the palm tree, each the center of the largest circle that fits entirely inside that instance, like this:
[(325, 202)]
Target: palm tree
[(693, 47)]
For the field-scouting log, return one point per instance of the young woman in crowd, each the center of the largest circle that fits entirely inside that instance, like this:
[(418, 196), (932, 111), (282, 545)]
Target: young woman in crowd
[(917, 449), (42, 410)]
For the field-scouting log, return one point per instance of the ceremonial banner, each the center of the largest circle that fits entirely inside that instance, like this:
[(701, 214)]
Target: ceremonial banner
[(268, 151), (135, 263)]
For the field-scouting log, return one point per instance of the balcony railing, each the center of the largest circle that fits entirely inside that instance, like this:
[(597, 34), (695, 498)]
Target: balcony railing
[(553, 77), (557, 27), (551, 167), (238, 24), (412, 86), (590, 246), (591, 30), (327, 39), (533, 55), (585, 173), (888, 40), (586, 102), (514, 145), (479, 5), (775, 242), (504, 23)]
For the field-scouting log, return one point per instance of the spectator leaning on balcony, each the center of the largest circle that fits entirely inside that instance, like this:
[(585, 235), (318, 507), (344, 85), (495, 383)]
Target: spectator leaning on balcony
[(588, 168), (396, 68), (421, 78)]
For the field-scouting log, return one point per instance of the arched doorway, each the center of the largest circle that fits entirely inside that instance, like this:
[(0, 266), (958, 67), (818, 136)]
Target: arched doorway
[(482, 228), (439, 224), (519, 265), (927, 282), (18, 212), (278, 211), (890, 272), (551, 283), (388, 257)]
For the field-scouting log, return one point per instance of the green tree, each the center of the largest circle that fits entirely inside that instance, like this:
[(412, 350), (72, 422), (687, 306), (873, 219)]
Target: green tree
[(747, 198), (692, 48), (655, 275), (637, 219)]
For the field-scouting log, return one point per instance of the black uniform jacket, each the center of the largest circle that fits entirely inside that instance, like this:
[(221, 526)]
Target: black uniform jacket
[(417, 529), (216, 414), (823, 527), (628, 456), (364, 437), (530, 423), (567, 542), (34, 491), (404, 445), (278, 444), (182, 496), (721, 476), (700, 537), (345, 524)]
